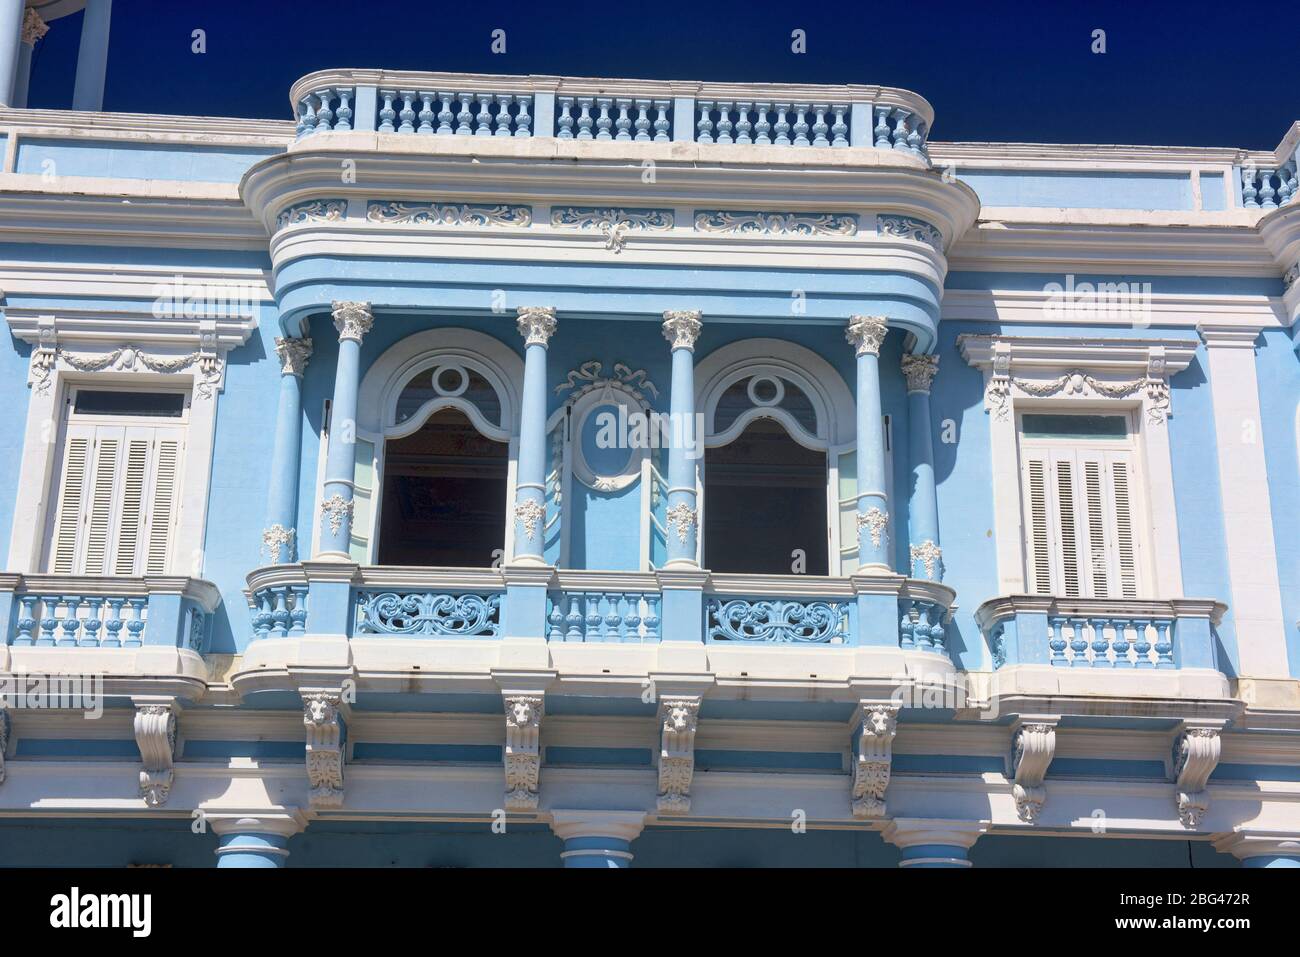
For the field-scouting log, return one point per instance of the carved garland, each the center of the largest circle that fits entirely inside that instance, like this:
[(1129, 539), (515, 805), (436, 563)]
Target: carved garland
[(875, 521), (997, 394), (682, 518), (208, 364)]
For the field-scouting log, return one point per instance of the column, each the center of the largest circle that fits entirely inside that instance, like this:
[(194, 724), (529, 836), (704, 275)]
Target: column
[(280, 533), (682, 328), (1261, 848), (92, 57), (353, 320), (33, 29), (866, 333), (11, 21), (537, 325), (923, 507), (597, 838), (927, 842), (1255, 591), (256, 839)]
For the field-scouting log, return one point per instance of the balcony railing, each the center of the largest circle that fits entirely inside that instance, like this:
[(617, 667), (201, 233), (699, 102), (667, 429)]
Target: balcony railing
[(1101, 633), (1268, 187), (74, 611), (573, 108)]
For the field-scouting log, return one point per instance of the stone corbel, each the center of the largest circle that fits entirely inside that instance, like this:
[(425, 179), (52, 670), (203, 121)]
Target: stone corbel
[(4, 739), (523, 754), (878, 722), (1033, 745), (679, 718), (325, 720), (155, 736), (1195, 756)]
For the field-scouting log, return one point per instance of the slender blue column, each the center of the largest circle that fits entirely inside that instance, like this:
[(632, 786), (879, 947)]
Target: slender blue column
[(33, 29), (279, 537), (92, 57), (923, 507), (866, 334), (537, 325), (925, 842), (1271, 860), (682, 328), (353, 320), (11, 22), (255, 840), (597, 838)]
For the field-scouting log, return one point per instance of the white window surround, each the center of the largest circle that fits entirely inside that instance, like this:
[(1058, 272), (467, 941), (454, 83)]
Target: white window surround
[(389, 374), (193, 358), (1079, 375)]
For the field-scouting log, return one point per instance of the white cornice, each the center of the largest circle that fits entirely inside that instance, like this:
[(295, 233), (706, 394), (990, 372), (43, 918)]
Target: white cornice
[(112, 280), (1054, 352), (1090, 156), (151, 127), (1005, 306), (126, 326)]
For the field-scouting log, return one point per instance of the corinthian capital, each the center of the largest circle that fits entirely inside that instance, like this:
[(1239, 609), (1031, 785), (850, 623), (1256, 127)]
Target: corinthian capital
[(293, 353), (866, 333), (920, 371), (682, 327), (536, 324), (352, 319), (33, 27)]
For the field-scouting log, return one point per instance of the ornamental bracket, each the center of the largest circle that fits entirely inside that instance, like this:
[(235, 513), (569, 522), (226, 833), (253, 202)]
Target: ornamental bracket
[(523, 755), (1033, 745), (1196, 753), (876, 723), (155, 736), (324, 717), (679, 717)]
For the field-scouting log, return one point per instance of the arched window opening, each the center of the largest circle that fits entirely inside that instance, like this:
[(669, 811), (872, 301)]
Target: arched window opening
[(765, 504), (444, 493)]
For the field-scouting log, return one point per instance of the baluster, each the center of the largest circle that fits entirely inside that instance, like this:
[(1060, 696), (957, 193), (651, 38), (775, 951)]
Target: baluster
[(524, 119), (1291, 184), (113, 627), (661, 121), (704, 128), (882, 128), (263, 618), (135, 627), (90, 627), (801, 124), (623, 124), (445, 115), (300, 124), (901, 129), (938, 631), (906, 629), (723, 134), (762, 128), (632, 618), (1248, 191), (652, 617), (782, 127), (839, 129), (1057, 643), (592, 631), (502, 127), (26, 621), (1266, 192), (642, 124), (298, 616), (921, 626), (573, 616), (820, 127), (1100, 644), (324, 115), (743, 126), (614, 617), (70, 624), (564, 125), (1078, 644), (49, 621), (407, 113), (483, 119), (585, 120), (916, 138), (426, 114), (555, 617), (463, 115), (1121, 643), (309, 115), (280, 613), (1141, 646), (387, 114), (1164, 643), (604, 121), (343, 115)]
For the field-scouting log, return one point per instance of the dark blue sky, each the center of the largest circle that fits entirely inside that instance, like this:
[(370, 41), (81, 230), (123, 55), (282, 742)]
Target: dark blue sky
[(1190, 73)]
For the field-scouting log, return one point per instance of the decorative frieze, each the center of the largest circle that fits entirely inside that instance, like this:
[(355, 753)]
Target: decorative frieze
[(866, 334), (1033, 745), (775, 223), (613, 222), (536, 324), (682, 519), (449, 214), (919, 371), (682, 327), (530, 513), (352, 319), (1196, 754), (323, 720), (334, 510), (877, 725), (876, 521), (293, 353), (523, 758), (905, 227), (679, 717), (315, 211), (207, 365), (155, 736), (588, 377)]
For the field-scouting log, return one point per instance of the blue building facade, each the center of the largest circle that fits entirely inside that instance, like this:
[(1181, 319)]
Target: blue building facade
[(540, 471)]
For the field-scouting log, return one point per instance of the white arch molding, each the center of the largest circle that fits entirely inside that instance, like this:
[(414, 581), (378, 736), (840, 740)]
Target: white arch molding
[(388, 375)]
